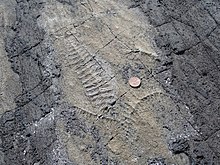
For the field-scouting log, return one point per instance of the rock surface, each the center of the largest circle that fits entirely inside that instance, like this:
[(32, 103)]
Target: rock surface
[(65, 96)]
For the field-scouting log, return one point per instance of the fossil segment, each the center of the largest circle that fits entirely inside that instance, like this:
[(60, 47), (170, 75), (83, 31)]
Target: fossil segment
[(96, 82), (128, 119), (99, 87)]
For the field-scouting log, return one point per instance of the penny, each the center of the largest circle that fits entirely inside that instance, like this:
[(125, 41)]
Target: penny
[(134, 82)]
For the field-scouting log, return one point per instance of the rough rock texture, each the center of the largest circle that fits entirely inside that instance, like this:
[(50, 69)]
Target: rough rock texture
[(189, 42), (65, 97)]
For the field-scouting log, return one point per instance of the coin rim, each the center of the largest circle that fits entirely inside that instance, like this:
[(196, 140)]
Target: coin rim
[(135, 86)]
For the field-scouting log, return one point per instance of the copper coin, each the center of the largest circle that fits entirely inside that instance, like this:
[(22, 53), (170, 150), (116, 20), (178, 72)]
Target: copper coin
[(134, 82)]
